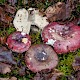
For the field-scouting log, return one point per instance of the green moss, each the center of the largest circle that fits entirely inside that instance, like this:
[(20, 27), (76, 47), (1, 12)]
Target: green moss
[(10, 30), (2, 1), (36, 38), (7, 31), (65, 62)]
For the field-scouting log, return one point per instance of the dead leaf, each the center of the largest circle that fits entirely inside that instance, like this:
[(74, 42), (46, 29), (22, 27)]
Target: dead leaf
[(8, 8), (12, 2), (22, 71), (6, 14), (61, 11), (5, 68), (2, 48), (77, 75), (7, 57), (76, 63), (57, 12), (12, 78), (51, 75), (3, 40)]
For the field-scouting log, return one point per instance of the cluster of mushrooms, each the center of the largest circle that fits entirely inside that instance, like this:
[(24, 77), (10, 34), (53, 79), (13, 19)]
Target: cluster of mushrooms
[(58, 39)]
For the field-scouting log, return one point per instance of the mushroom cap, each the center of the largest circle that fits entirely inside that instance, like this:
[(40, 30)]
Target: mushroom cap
[(19, 42), (63, 37), (40, 57)]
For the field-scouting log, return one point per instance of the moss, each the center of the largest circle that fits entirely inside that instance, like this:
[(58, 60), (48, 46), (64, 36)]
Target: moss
[(10, 30), (65, 62), (2, 1), (36, 38)]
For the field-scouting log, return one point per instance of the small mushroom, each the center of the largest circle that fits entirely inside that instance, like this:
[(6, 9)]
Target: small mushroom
[(41, 57), (19, 42), (63, 37)]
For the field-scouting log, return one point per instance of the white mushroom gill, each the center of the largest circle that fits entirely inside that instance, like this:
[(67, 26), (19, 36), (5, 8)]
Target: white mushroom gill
[(25, 18), (21, 22), (37, 18)]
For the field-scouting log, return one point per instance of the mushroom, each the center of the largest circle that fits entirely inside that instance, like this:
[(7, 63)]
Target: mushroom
[(63, 37), (21, 22), (37, 18), (19, 42), (25, 18), (41, 57)]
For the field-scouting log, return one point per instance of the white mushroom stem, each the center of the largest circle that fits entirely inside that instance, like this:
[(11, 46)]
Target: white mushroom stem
[(24, 19), (37, 18), (21, 22)]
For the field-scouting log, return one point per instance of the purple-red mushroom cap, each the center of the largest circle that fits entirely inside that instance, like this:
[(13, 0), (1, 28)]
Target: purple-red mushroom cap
[(19, 42), (41, 57), (63, 37)]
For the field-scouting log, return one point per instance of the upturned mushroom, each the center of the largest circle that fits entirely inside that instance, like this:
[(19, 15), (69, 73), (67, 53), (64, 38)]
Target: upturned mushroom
[(21, 22), (19, 42), (25, 18), (63, 37), (37, 18), (41, 57)]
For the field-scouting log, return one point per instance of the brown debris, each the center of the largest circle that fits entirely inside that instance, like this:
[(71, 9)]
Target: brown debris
[(22, 71), (6, 60), (6, 14), (7, 57), (12, 78), (8, 8), (58, 12), (3, 40), (61, 10), (2, 48), (5, 68), (76, 63), (52, 75), (77, 75)]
